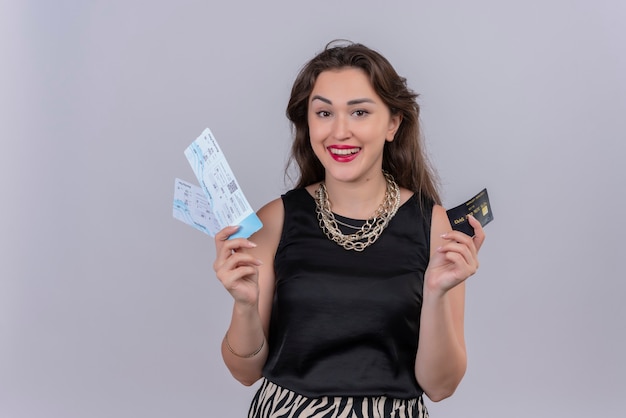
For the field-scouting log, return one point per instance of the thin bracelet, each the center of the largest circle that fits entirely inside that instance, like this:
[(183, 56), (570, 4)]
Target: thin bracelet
[(257, 351)]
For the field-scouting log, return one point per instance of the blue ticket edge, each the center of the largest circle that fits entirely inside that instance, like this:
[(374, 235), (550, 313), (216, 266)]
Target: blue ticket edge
[(247, 227)]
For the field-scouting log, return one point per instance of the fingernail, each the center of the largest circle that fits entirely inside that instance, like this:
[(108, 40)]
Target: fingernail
[(252, 244)]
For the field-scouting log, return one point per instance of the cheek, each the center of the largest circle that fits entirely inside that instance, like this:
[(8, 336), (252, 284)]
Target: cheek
[(317, 131)]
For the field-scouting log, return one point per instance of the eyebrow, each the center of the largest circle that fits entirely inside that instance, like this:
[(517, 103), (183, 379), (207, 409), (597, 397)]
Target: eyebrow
[(350, 102)]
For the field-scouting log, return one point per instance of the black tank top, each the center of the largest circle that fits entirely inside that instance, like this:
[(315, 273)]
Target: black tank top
[(346, 323)]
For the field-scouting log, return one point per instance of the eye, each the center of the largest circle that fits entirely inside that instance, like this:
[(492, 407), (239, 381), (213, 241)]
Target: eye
[(360, 113), (323, 113)]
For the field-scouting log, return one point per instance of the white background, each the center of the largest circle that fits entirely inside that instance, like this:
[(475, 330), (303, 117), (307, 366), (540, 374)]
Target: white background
[(109, 307)]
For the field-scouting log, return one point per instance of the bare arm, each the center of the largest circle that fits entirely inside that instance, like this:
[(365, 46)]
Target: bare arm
[(441, 358), (246, 269)]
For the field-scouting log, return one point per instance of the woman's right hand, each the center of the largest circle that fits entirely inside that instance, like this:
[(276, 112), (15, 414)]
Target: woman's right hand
[(237, 269)]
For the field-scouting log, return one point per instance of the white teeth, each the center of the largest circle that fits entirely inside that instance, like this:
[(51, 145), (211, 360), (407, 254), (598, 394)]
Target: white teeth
[(344, 151)]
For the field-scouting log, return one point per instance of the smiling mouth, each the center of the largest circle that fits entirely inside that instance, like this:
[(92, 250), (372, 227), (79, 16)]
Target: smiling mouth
[(344, 151)]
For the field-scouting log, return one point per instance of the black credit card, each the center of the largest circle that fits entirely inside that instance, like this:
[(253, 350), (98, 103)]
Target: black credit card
[(478, 206)]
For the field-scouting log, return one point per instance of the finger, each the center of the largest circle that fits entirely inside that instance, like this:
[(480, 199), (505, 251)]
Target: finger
[(479, 233), (226, 232), (460, 237), (225, 249), (222, 237), (237, 267), (466, 252), (228, 256), (240, 259), (230, 278), (462, 269), (233, 244)]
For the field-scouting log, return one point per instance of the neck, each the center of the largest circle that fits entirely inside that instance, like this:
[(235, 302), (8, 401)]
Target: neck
[(356, 200)]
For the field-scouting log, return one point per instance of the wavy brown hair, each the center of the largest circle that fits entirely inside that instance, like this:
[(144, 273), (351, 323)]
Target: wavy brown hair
[(404, 158)]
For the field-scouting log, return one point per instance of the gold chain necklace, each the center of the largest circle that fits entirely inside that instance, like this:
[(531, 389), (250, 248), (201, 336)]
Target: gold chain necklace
[(369, 232)]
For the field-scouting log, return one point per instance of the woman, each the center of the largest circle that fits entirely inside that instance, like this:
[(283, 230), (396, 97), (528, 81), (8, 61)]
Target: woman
[(349, 301)]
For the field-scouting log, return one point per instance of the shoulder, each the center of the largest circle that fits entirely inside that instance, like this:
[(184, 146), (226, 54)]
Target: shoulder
[(440, 224), (440, 221), (272, 214)]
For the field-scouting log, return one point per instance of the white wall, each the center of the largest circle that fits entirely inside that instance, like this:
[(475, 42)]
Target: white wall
[(109, 307)]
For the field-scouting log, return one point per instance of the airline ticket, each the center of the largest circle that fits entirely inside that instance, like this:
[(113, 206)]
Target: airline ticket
[(219, 201)]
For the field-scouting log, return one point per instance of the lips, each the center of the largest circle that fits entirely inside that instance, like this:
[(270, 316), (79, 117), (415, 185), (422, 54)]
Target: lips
[(343, 153)]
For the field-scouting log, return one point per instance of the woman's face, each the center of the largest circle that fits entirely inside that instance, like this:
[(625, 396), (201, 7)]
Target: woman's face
[(349, 124)]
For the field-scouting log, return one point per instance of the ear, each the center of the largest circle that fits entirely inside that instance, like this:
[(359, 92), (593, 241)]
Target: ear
[(394, 124)]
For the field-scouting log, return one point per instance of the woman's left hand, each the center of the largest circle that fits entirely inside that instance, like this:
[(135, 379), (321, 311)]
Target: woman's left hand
[(456, 259)]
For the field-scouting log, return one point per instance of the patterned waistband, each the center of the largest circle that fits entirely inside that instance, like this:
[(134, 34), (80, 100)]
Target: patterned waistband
[(273, 401)]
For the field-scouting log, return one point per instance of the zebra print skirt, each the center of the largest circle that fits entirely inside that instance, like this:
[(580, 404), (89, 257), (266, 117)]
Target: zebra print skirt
[(273, 401)]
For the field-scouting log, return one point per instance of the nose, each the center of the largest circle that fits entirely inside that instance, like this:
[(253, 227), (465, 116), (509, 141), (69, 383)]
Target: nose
[(341, 128)]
